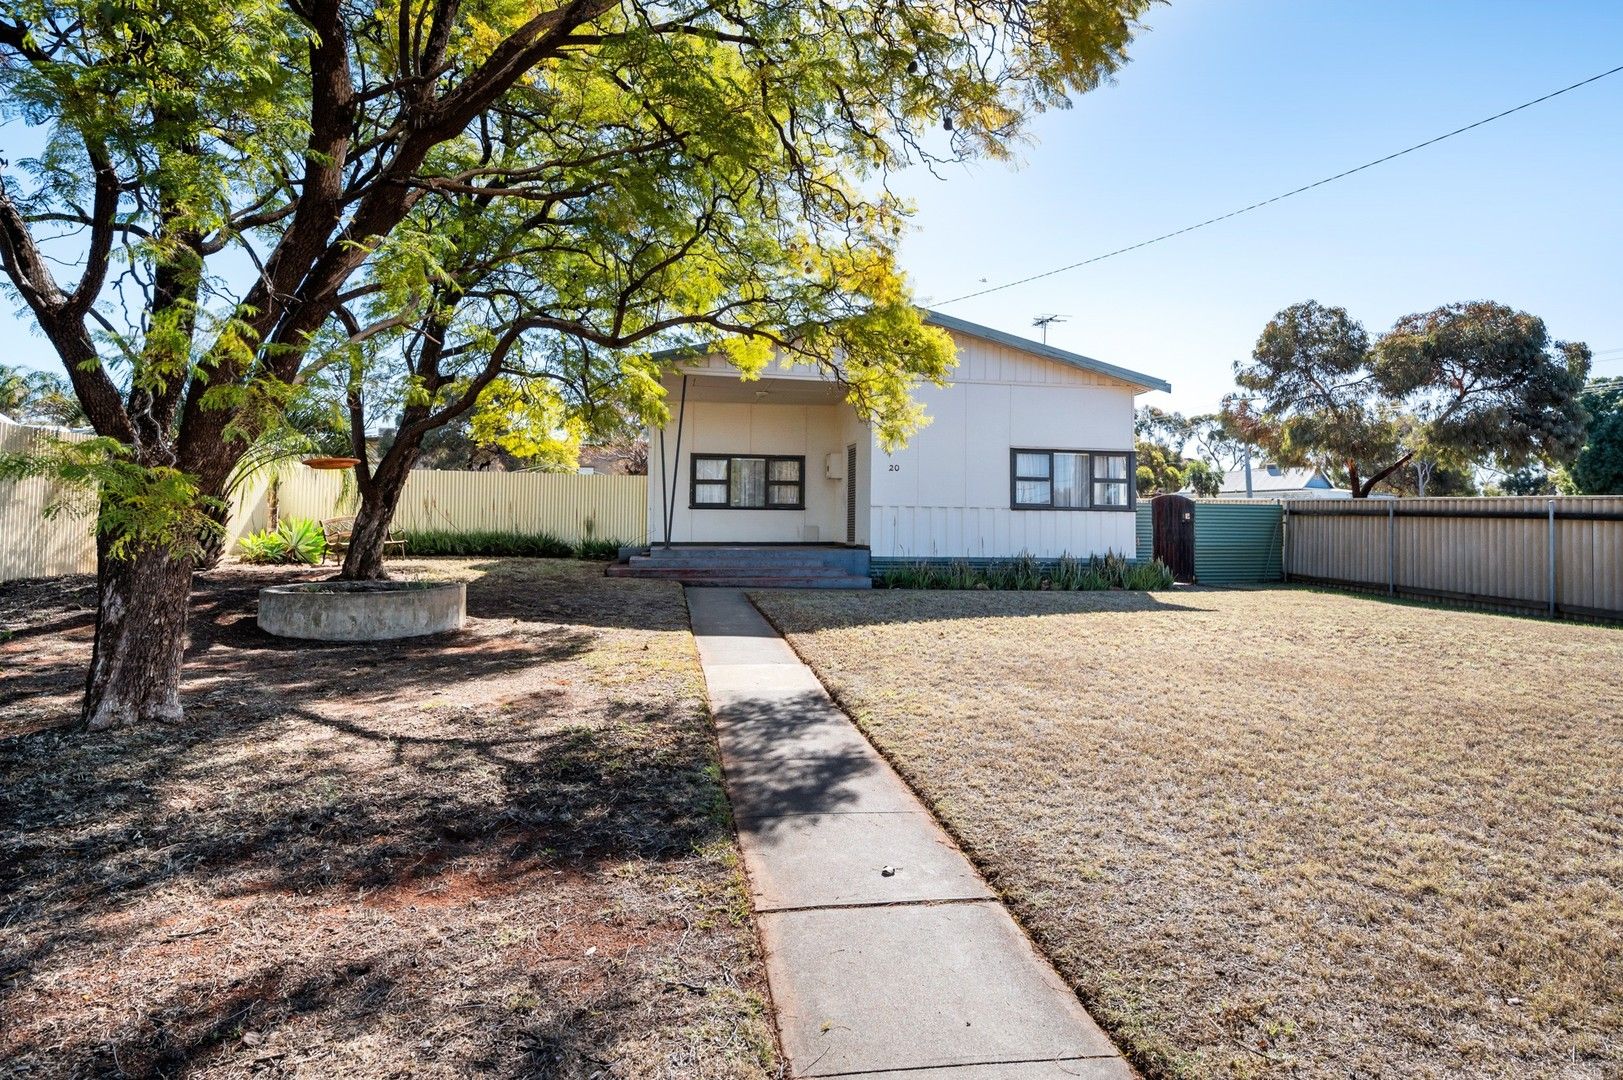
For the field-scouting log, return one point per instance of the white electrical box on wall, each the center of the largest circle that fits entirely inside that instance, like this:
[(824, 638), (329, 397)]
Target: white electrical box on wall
[(834, 466)]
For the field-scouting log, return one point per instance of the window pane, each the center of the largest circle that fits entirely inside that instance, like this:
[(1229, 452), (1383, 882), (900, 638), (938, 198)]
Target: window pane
[(1031, 492), (786, 470), (1031, 465), (710, 493), (1110, 466), (709, 468), (785, 494), (1070, 480), (1106, 493), (749, 482)]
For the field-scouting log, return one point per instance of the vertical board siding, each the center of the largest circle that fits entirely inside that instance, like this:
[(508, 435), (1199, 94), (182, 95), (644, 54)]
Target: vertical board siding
[(1455, 548)]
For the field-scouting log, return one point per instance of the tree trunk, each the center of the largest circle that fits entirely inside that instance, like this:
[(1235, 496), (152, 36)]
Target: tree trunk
[(140, 638), (379, 497), (211, 545)]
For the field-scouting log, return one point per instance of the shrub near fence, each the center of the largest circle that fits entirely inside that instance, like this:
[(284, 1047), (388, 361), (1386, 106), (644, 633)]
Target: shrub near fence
[(572, 508), (588, 513), (1556, 556)]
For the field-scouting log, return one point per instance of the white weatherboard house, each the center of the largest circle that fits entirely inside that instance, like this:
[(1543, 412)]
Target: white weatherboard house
[(1029, 450)]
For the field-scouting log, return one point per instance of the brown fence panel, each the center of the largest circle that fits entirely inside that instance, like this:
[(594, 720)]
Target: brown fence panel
[(1561, 555)]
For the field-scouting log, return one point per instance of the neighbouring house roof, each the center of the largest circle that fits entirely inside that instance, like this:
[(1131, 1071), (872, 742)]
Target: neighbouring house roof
[(1049, 352), (1275, 479), (616, 460)]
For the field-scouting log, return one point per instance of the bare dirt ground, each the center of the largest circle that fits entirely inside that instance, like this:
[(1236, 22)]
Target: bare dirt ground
[(1273, 832), (502, 852)]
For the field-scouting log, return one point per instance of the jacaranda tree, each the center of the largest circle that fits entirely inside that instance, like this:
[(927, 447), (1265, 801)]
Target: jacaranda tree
[(261, 194)]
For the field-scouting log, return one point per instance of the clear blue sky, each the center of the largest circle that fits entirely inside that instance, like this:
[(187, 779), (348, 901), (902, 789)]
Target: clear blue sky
[(1230, 101)]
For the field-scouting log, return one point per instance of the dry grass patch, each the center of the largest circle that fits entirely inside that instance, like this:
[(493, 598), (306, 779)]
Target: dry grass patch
[(1273, 832), (502, 852)]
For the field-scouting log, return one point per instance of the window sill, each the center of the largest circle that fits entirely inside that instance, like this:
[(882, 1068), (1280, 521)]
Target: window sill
[(1078, 509), (741, 509)]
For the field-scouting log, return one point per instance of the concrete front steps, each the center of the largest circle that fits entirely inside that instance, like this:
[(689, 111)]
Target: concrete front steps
[(758, 566)]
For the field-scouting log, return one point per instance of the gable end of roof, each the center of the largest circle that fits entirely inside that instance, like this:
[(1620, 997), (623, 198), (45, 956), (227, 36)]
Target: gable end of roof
[(1047, 352)]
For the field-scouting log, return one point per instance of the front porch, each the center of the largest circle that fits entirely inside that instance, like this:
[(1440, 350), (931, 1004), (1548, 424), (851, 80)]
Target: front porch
[(760, 566), (778, 460)]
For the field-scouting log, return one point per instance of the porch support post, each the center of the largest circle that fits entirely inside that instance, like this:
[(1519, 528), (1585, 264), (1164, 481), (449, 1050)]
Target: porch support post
[(670, 494)]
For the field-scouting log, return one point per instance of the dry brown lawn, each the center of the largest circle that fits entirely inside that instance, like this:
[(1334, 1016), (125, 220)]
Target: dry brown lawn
[(501, 852), (1273, 832)]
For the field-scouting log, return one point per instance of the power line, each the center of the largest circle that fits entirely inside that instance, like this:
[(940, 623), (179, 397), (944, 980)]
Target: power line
[(1286, 195)]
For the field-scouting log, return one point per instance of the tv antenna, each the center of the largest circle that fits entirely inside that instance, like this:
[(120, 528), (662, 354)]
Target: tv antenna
[(1043, 321)]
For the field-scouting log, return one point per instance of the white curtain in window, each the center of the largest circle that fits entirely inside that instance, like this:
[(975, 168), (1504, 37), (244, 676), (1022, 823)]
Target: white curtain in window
[(709, 468), (1070, 480), (1109, 494), (1031, 492), (1031, 464), (1110, 466), (749, 482)]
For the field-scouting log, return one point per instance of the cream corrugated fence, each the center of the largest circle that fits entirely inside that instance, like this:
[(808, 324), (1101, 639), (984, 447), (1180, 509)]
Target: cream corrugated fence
[(32, 545), (570, 507), (1527, 553)]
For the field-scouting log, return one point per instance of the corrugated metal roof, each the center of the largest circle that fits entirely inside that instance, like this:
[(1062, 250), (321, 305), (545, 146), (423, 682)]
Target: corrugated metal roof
[(1278, 478), (1048, 352)]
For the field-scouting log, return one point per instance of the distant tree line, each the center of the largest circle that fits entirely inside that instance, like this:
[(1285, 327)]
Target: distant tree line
[(1443, 397)]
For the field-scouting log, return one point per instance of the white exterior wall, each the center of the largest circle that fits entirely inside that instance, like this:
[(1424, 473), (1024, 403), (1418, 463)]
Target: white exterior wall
[(727, 427), (946, 494)]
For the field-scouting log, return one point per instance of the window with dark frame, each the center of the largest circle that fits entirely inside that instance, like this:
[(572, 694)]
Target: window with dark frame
[(1070, 480), (748, 482)]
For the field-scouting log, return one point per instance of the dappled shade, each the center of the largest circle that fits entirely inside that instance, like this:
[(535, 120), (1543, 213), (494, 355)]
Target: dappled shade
[(503, 850)]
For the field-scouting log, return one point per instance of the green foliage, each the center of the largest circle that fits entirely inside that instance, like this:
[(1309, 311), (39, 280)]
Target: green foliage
[(295, 540), (267, 199), (1159, 468), (1598, 469), (1461, 384), (470, 543), (265, 546), (1150, 575), (304, 540), (137, 507), (1068, 573), (1528, 480), (38, 397), (1202, 479)]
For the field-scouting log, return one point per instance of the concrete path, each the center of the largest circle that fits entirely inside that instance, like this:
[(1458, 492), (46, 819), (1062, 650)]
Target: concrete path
[(887, 955)]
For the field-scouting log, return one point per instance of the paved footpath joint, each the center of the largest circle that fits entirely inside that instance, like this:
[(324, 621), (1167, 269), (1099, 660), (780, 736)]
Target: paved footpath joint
[(888, 956)]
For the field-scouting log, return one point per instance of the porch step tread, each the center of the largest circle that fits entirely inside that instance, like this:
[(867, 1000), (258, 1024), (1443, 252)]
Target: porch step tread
[(741, 578), (754, 564), (698, 573)]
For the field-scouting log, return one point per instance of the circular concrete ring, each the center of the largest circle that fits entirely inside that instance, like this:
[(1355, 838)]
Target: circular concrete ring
[(362, 610)]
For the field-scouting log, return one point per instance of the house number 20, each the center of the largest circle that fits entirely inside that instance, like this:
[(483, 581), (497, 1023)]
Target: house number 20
[(895, 468)]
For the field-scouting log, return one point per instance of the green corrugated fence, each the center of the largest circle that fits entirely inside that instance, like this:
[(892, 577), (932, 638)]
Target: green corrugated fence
[(1236, 541)]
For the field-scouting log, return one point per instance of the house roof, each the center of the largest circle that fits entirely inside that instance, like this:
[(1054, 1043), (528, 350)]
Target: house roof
[(1276, 478), (1038, 348), (986, 333)]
